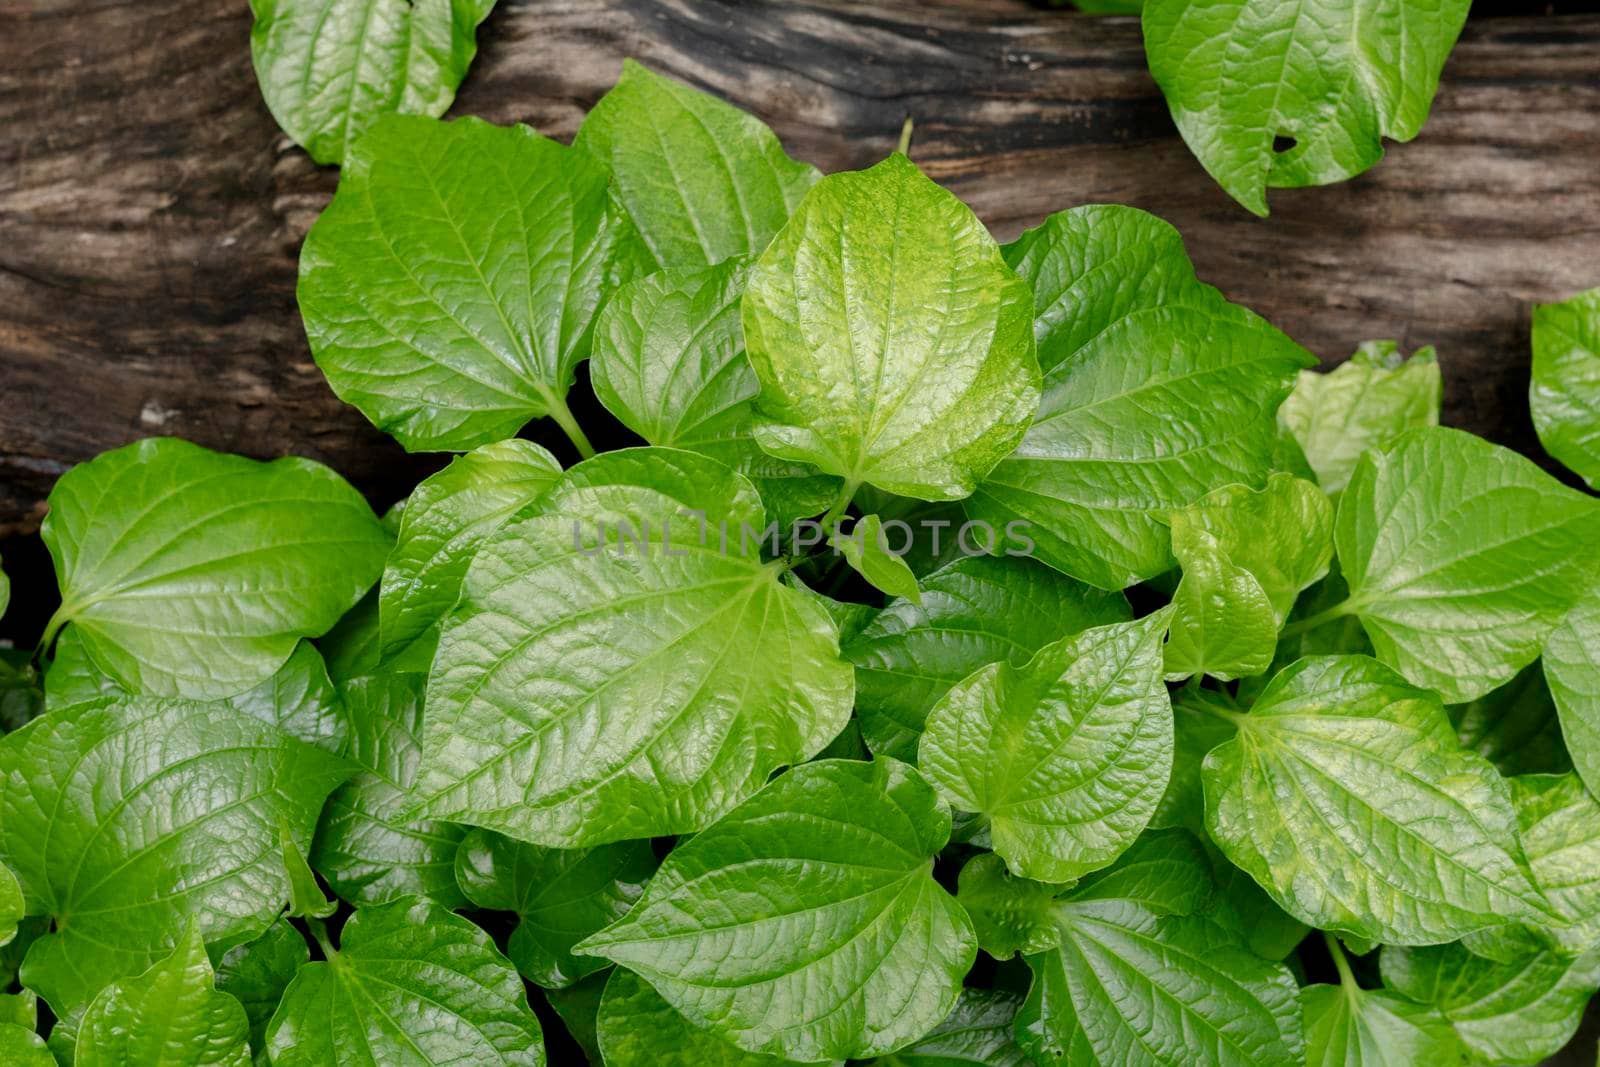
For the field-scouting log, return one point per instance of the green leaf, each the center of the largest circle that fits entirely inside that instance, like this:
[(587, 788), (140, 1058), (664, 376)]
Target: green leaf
[(1244, 907), (19, 1009), (1504, 1013), (1565, 389), (891, 341), (1514, 727), (559, 897), (1067, 756), (587, 691), (703, 180), (1365, 402), (306, 899), (1351, 1027), (192, 573), (1156, 392), (1238, 75), (1461, 557), (120, 820), (1139, 978), (298, 698), (806, 922), (20, 1047), (366, 849), (1558, 823), (868, 550), (938, 524), (977, 1032), (410, 984), (1009, 914), (445, 520), (329, 70), (974, 612), (12, 906), (1222, 620), (450, 289), (669, 362), (637, 1028), (1572, 671), (1346, 795), (257, 973), (170, 1016)]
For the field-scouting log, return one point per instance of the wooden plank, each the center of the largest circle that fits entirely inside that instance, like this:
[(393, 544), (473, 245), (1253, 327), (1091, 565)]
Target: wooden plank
[(150, 212)]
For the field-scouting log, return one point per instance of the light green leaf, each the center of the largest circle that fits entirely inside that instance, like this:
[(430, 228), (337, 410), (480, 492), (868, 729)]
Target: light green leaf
[(20, 1047), (1222, 620), (560, 897), (1334, 79), (12, 906), (1504, 1013), (450, 289), (1572, 671), (1461, 557), (126, 818), (1068, 756), (806, 922), (192, 573), (938, 524), (870, 553), (974, 612), (257, 973), (366, 849), (1346, 795), (170, 1016), (891, 341), (1139, 978), (445, 520), (637, 1028), (587, 692), (1514, 727), (1156, 391), (329, 69), (978, 1032), (669, 362), (1351, 1027), (1565, 389), (410, 984), (1365, 402), (703, 180), (1558, 823), (306, 899)]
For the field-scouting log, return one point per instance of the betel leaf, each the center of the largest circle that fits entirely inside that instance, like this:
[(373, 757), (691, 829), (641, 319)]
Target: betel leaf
[(868, 550), (975, 611), (1347, 1026), (806, 922), (298, 698), (1571, 665), (366, 850), (257, 973), (1240, 905), (122, 819), (1513, 1013), (192, 573), (702, 180), (1365, 402), (1565, 390), (669, 362), (409, 983), (1461, 557), (559, 897), (1138, 977), (1558, 826), (328, 70), (977, 1033), (579, 1008), (1009, 914), (21, 1047), (891, 341), (450, 288), (446, 518), (1067, 755), (1346, 795), (1156, 391), (635, 1027), (20, 1008), (306, 898), (12, 906), (1222, 620), (1201, 719), (1241, 75), (170, 1016), (350, 649), (1514, 727), (599, 685)]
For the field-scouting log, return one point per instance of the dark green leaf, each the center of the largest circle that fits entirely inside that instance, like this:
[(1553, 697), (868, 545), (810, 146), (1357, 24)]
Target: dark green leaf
[(978, 1032), (258, 972), (636, 1028)]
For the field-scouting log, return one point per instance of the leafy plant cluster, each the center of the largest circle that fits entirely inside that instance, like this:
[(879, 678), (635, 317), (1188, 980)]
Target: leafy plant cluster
[(304, 786)]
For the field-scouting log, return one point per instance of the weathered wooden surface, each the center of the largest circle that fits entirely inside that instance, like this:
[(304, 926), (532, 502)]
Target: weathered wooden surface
[(150, 212)]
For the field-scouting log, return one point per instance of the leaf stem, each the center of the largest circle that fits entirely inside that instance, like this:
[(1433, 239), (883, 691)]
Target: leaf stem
[(319, 930), (61, 617), (1347, 978), (904, 147), (847, 493), (569, 425), (1311, 622)]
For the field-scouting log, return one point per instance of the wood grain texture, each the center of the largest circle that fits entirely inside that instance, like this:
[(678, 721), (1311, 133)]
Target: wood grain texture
[(151, 212)]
